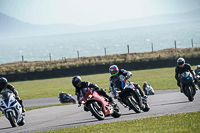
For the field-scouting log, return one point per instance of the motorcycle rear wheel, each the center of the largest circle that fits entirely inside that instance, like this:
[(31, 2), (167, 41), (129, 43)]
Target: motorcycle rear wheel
[(117, 112), (98, 113), (22, 122)]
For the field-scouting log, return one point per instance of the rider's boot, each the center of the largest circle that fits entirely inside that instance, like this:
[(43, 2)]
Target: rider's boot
[(181, 90), (21, 103), (111, 101)]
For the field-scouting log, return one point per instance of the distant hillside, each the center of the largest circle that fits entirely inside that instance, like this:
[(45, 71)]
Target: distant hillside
[(11, 27)]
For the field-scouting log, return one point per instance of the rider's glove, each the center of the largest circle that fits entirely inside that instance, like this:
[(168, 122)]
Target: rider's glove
[(196, 80), (17, 97)]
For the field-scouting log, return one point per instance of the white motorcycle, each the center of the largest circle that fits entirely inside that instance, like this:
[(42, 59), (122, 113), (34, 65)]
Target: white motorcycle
[(148, 90), (12, 109)]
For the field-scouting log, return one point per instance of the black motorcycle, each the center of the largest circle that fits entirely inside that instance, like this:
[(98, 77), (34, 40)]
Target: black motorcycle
[(129, 96), (187, 85), (66, 98)]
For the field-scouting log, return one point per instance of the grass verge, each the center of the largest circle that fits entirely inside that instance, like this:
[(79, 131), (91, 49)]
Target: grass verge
[(174, 123)]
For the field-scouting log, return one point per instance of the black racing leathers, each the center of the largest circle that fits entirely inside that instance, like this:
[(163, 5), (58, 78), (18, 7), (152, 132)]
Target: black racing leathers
[(179, 70)]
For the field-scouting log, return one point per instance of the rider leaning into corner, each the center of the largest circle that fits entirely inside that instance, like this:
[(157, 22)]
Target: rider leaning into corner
[(183, 67), (5, 87), (79, 84), (115, 71)]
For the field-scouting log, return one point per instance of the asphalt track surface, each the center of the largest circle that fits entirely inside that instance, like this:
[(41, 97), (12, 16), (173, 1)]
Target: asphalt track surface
[(51, 118)]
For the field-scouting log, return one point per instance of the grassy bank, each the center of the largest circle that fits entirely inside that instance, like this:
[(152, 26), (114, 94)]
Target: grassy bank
[(181, 123), (35, 66)]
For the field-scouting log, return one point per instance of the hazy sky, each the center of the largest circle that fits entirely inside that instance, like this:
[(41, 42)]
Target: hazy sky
[(90, 12)]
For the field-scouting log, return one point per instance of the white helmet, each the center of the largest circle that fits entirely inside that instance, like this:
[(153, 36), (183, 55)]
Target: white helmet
[(181, 61), (198, 66)]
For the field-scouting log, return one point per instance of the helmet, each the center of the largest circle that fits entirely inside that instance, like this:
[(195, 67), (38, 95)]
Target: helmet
[(76, 80), (3, 83), (145, 83), (181, 62), (114, 70), (198, 66)]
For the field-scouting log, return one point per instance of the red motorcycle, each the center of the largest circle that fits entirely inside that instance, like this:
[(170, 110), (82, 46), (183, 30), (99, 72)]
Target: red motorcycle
[(97, 105)]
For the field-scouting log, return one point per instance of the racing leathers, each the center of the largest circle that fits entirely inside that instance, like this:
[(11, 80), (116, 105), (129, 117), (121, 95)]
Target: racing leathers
[(179, 70), (117, 80), (14, 91)]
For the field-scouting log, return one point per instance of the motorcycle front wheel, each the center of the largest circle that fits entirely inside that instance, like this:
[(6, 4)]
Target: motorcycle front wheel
[(12, 119), (96, 110), (189, 93), (133, 104)]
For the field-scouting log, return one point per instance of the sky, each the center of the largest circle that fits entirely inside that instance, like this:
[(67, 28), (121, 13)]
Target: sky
[(91, 12)]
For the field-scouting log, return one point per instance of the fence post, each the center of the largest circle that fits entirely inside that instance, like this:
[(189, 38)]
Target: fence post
[(78, 54), (128, 48), (50, 56), (152, 46), (105, 51), (22, 60), (175, 43), (192, 42)]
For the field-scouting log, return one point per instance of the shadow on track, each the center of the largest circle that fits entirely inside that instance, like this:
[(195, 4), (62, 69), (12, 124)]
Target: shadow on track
[(83, 122), (175, 103), (5, 128)]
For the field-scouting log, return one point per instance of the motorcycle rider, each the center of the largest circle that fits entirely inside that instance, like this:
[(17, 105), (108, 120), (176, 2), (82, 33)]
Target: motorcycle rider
[(144, 86), (79, 84), (197, 70), (115, 71), (5, 87), (183, 67)]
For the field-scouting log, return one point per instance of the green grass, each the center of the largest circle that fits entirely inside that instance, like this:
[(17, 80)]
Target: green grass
[(175, 123), (160, 79)]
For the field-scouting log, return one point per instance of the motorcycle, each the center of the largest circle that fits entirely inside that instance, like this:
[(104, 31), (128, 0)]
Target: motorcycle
[(198, 77), (66, 98), (187, 85), (97, 105), (148, 90), (130, 95), (12, 109)]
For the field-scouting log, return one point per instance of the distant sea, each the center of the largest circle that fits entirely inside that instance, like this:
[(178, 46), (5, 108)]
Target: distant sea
[(94, 43)]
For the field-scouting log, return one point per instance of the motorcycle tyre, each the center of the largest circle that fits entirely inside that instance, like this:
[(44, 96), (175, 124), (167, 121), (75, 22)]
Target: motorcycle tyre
[(133, 105), (12, 119), (147, 108), (95, 113), (22, 122), (117, 112), (189, 93)]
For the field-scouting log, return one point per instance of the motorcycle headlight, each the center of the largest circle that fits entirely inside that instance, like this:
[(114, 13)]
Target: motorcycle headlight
[(82, 102), (89, 97)]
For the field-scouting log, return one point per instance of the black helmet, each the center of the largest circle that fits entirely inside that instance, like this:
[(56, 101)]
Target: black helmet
[(181, 61), (76, 80), (3, 83)]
